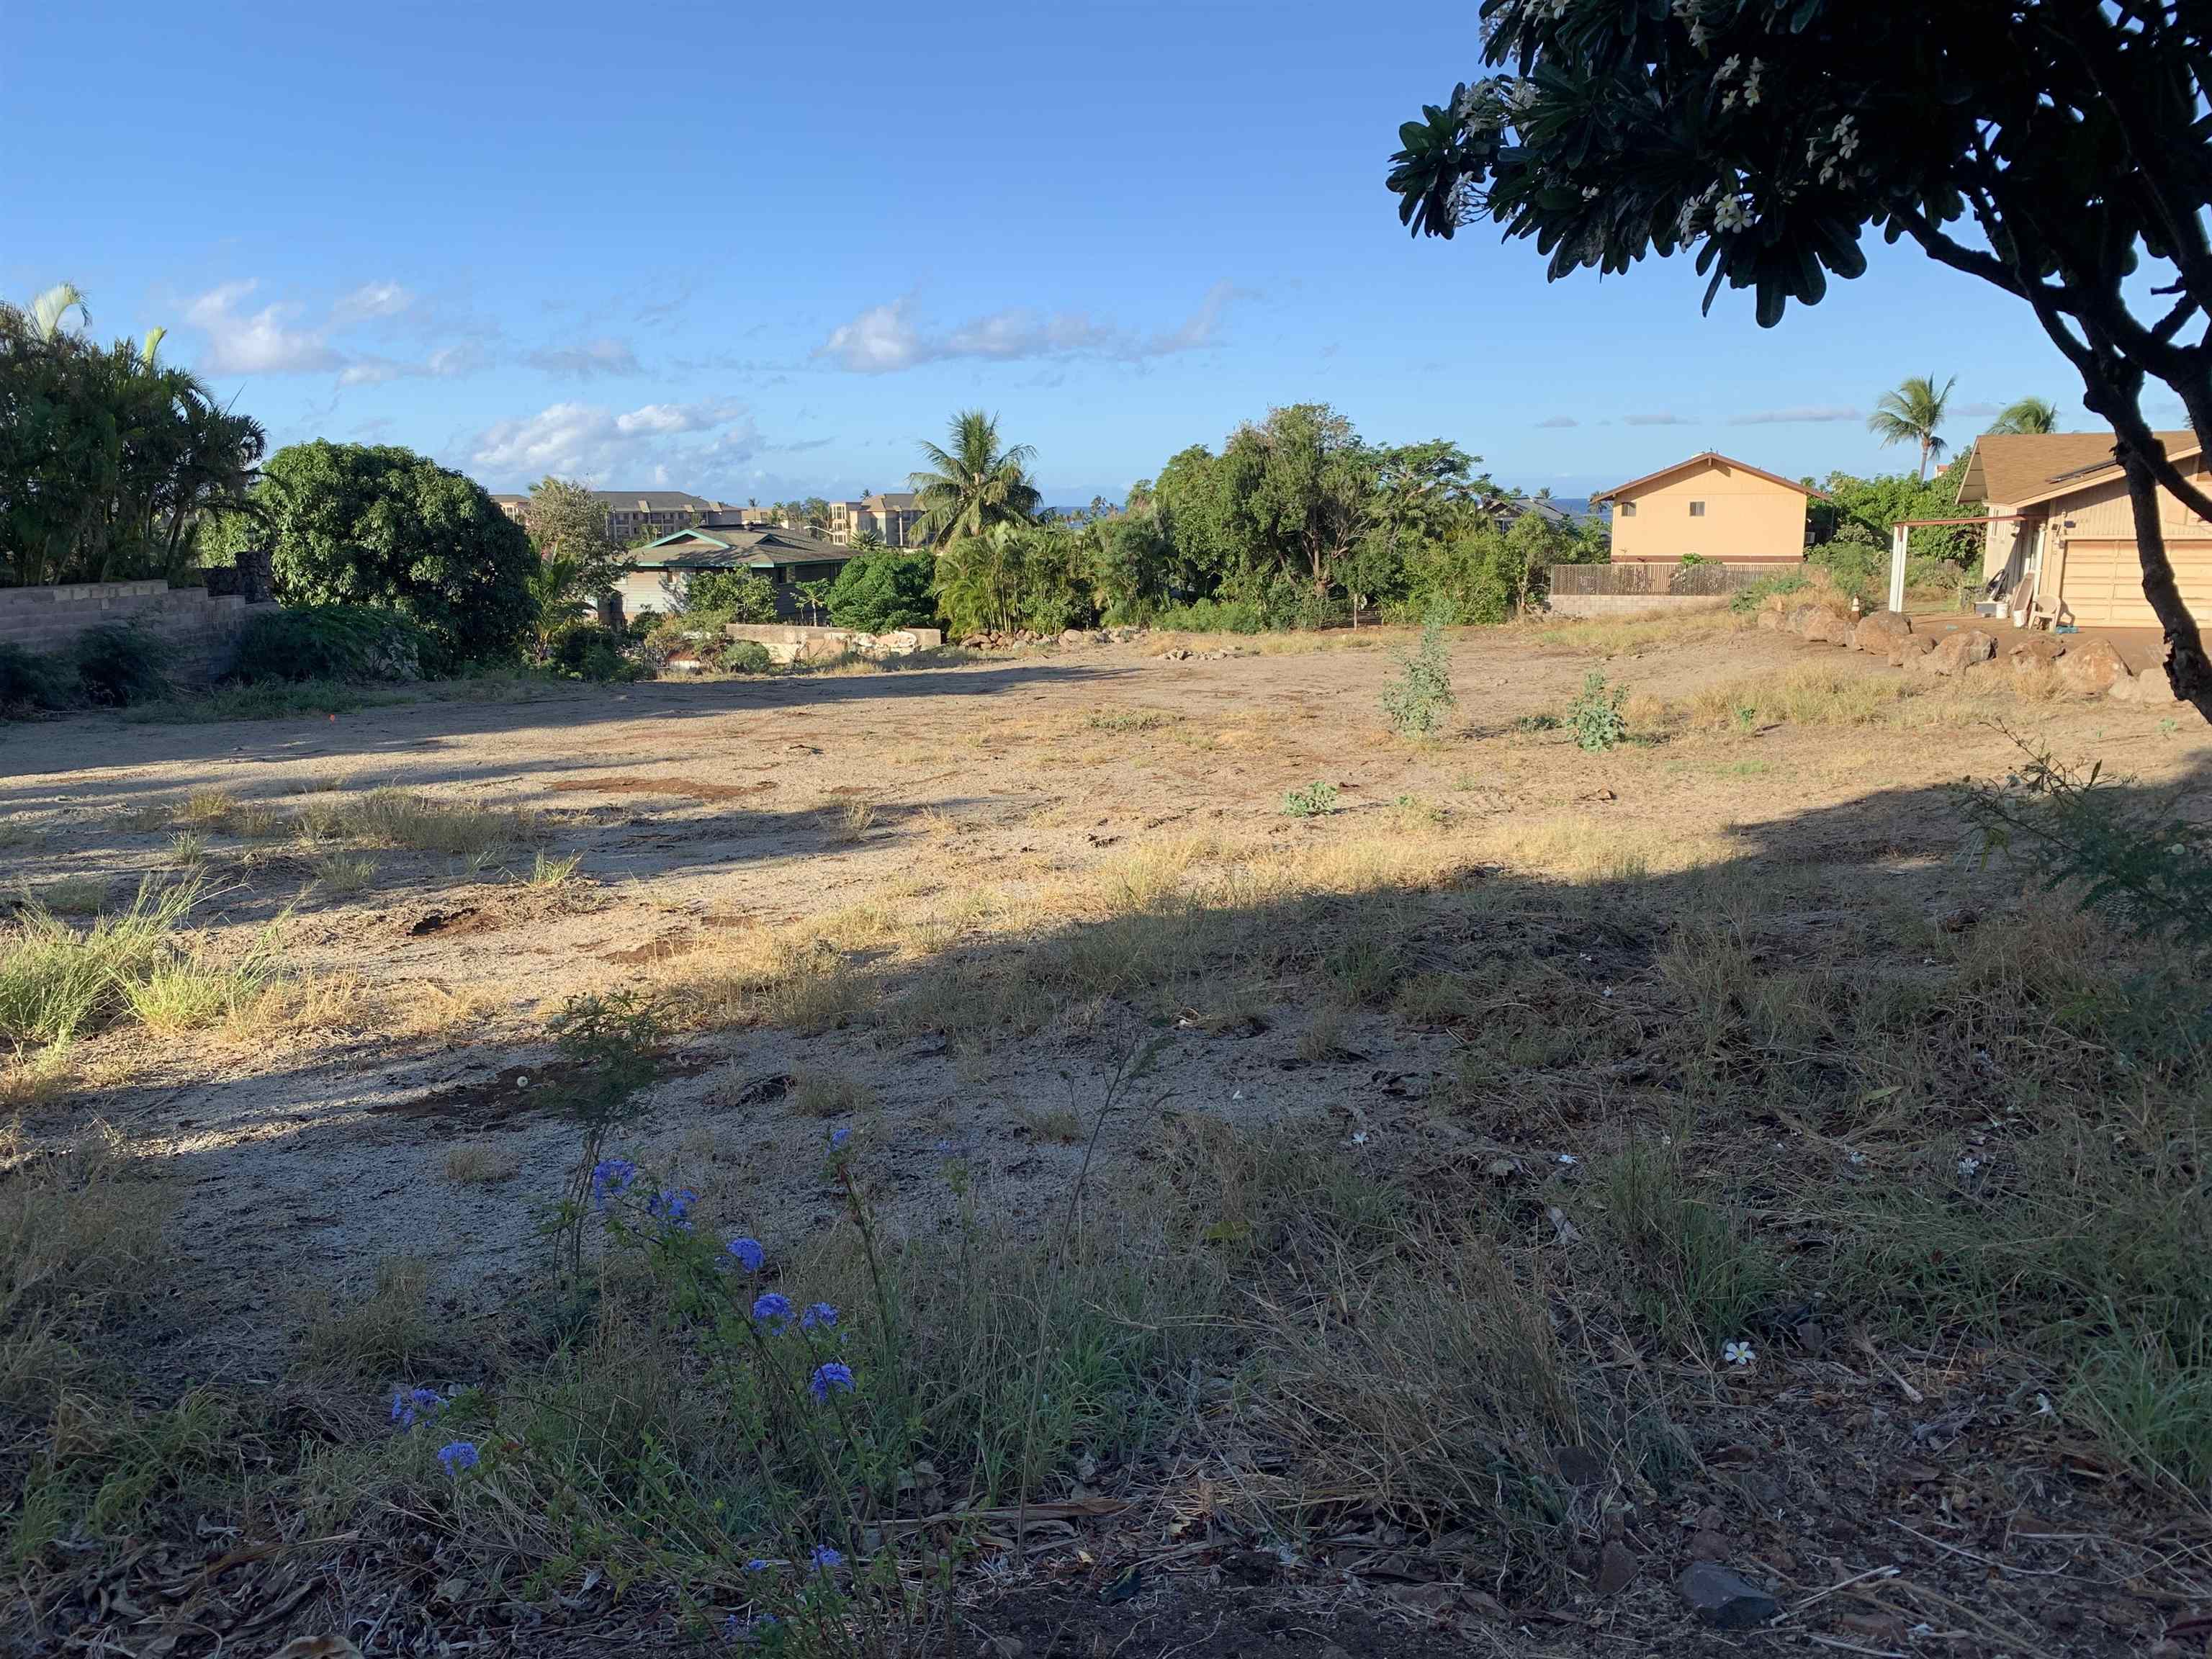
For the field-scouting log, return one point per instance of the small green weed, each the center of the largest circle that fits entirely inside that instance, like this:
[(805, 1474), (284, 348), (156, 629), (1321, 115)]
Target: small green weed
[(1311, 801), (1418, 700)]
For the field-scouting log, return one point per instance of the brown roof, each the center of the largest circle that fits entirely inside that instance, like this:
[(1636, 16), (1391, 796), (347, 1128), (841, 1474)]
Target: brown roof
[(2007, 468), (1712, 457)]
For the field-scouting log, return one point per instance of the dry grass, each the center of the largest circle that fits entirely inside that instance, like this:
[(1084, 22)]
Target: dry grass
[(387, 1333), (851, 822), (481, 1163), (1614, 636), (341, 875), (81, 895), (402, 818), (830, 1094)]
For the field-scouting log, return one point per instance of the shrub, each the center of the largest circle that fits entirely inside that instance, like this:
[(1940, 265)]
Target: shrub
[(29, 682), (359, 524), (118, 665), (1595, 717), (1213, 616), (1311, 801), (331, 642), (884, 591), (1418, 700), (712, 598), (746, 657), (586, 651), (1746, 601)]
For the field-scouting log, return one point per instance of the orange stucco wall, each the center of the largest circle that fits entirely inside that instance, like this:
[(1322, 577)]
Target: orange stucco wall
[(1746, 520)]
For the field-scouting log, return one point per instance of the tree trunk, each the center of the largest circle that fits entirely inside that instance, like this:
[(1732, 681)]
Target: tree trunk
[(2186, 669)]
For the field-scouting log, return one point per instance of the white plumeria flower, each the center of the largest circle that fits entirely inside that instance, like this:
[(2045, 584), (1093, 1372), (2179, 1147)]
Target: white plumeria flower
[(1359, 1137), (1970, 1166), (1738, 1353)]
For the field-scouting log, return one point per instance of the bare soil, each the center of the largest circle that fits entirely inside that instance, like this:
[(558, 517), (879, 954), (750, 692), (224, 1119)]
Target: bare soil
[(705, 814)]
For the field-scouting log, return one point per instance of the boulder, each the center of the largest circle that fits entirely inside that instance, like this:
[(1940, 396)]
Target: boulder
[(2092, 668), (1878, 630), (1957, 651), (1769, 617), (1820, 624), (1726, 1599), (2151, 687), (1905, 648), (2039, 648)]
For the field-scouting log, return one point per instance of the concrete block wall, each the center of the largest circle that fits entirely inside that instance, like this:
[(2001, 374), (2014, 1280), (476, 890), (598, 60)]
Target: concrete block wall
[(200, 628)]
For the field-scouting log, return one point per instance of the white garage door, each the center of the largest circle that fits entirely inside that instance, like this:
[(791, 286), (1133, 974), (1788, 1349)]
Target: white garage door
[(2103, 582)]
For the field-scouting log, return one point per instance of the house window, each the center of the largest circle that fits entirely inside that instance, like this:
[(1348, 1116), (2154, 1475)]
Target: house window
[(1697, 509), (1627, 509)]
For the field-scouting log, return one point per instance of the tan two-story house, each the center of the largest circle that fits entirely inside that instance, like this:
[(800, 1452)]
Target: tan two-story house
[(2061, 537), (1713, 507)]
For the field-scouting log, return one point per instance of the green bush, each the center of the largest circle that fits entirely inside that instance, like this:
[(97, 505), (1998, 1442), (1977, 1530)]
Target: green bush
[(1595, 717), (1214, 616), (884, 591), (726, 596), (1746, 601), (29, 682), (586, 651), (746, 657), (331, 642), (357, 524), (1311, 801), (1418, 700), (118, 665)]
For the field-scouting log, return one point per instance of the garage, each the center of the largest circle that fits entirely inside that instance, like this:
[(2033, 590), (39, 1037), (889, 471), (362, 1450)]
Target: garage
[(2100, 582)]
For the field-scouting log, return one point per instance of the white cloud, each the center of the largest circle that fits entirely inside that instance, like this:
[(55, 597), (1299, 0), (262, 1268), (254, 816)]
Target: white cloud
[(1804, 414), (594, 357), (1557, 421), (370, 301), (264, 342), (885, 338), (639, 446), (444, 363), (1657, 420)]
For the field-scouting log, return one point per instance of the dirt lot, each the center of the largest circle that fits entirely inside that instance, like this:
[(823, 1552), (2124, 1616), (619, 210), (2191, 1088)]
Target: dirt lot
[(907, 904)]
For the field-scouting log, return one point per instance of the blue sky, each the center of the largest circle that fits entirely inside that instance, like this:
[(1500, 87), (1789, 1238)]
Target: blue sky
[(757, 250)]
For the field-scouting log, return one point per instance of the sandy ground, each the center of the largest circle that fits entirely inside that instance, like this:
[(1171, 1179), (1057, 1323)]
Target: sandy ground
[(703, 812)]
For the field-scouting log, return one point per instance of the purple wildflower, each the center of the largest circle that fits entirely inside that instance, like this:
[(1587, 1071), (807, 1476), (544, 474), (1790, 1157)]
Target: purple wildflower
[(611, 1179), (838, 1137), (825, 1558), (460, 1455), (772, 1308), (749, 1254), (819, 1315), (836, 1375)]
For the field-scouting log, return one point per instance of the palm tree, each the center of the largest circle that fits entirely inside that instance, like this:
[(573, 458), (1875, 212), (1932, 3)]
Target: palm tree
[(975, 484), (1910, 414), (49, 308), (2029, 415)]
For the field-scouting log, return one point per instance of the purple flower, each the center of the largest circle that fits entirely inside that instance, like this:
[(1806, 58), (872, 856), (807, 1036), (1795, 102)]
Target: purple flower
[(825, 1558), (819, 1315), (674, 1208), (838, 1137), (836, 1375), (408, 1404), (460, 1455), (770, 1307), (757, 1565), (749, 1254), (610, 1178)]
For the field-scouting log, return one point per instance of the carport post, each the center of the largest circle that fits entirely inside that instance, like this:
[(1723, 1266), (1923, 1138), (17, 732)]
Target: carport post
[(1897, 538)]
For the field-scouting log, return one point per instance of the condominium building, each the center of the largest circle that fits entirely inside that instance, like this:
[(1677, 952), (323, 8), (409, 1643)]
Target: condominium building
[(652, 512), (896, 518)]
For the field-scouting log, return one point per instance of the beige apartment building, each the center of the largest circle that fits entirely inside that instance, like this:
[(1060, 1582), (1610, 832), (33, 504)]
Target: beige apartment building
[(635, 512), (895, 518), (1711, 507)]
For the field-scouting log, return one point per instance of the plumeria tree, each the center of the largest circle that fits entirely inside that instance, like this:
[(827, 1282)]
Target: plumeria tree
[(2054, 148)]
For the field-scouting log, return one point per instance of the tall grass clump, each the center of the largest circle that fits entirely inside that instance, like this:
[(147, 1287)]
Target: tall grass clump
[(58, 983)]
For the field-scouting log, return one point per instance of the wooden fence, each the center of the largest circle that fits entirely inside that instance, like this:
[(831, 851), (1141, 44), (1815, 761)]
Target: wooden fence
[(1686, 581)]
